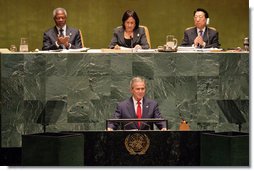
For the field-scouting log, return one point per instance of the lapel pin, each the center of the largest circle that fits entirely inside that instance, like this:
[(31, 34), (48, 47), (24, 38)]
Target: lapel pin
[(147, 106)]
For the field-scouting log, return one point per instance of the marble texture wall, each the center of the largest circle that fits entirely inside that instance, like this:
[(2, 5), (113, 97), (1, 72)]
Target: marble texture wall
[(79, 91)]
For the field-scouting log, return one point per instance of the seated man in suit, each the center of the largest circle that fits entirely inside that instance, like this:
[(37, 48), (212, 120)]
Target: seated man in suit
[(61, 36), (201, 36), (137, 106)]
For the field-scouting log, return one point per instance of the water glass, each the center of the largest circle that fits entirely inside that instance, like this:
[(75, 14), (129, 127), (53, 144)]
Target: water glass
[(23, 47)]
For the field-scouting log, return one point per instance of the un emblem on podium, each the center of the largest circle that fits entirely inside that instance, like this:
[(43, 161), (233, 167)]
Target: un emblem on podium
[(137, 143)]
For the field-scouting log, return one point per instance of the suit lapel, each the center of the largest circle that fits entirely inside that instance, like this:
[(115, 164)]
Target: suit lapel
[(194, 33), (68, 31), (205, 38), (121, 36), (131, 108), (56, 33), (135, 37), (145, 108)]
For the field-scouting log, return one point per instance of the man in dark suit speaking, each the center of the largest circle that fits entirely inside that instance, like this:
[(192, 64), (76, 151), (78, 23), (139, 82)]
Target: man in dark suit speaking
[(61, 36), (137, 106), (201, 36)]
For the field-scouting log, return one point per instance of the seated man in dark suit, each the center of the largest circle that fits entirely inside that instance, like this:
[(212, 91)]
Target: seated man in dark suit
[(61, 36), (201, 36), (137, 106)]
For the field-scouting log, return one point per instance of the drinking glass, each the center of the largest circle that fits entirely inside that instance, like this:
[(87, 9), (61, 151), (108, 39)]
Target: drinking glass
[(23, 47), (171, 42)]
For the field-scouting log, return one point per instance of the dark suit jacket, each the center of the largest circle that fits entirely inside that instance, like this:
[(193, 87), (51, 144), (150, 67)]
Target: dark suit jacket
[(139, 37), (125, 110), (50, 37), (211, 37)]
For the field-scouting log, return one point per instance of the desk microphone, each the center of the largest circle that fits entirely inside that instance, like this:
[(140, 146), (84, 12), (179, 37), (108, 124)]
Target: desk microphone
[(131, 41)]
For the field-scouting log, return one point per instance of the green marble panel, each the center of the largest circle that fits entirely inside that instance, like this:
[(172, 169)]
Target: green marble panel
[(186, 64), (208, 65), (208, 87), (234, 87), (143, 65), (91, 84), (230, 64), (165, 95), (165, 64)]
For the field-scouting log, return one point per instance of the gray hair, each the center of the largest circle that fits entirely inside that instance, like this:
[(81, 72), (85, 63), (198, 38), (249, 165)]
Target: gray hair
[(59, 9), (137, 79)]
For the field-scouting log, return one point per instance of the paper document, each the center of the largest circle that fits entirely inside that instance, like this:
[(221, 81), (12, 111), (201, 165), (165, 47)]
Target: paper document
[(76, 50), (147, 50), (193, 49), (65, 50)]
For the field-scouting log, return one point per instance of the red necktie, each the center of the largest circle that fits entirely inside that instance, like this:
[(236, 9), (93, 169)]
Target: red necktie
[(139, 113)]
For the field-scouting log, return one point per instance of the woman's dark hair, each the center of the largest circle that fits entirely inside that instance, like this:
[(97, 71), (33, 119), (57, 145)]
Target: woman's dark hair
[(132, 14), (203, 10)]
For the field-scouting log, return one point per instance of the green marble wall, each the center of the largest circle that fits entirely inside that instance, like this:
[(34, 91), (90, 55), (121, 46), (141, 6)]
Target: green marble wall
[(82, 90)]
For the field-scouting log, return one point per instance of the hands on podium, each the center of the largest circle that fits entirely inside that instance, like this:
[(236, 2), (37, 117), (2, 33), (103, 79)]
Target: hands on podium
[(109, 129), (162, 129)]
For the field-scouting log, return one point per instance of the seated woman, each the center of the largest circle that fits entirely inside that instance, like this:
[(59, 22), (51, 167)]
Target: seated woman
[(129, 35)]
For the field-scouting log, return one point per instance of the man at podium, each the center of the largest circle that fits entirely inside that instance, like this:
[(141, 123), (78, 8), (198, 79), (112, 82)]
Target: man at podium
[(137, 106)]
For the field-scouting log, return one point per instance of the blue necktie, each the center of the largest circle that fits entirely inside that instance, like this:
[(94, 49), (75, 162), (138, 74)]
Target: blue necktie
[(201, 33)]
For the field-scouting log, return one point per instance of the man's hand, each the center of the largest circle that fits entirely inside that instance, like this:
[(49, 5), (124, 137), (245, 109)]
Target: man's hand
[(63, 41), (198, 41), (163, 129)]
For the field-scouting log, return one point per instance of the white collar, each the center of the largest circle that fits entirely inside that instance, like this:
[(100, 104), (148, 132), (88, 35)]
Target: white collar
[(136, 102), (64, 28)]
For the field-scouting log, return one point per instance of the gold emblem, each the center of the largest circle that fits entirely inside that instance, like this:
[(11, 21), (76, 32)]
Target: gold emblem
[(137, 143)]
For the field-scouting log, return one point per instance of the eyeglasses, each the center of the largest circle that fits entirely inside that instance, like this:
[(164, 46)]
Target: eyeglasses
[(199, 16)]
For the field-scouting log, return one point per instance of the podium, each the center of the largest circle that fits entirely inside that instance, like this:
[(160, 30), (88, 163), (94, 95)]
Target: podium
[(141, 148), (128, 124), (112, 148)]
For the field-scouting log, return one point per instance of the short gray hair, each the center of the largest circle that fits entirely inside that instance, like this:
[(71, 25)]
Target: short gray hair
[(137, 79), (59, 9)]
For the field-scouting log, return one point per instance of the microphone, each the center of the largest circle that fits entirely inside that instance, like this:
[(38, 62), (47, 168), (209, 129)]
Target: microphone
[(207, 36), (131, 41), (183, 120)]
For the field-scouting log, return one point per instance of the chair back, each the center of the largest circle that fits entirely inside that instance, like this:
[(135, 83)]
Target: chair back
[(147, 35), (81, 37)]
